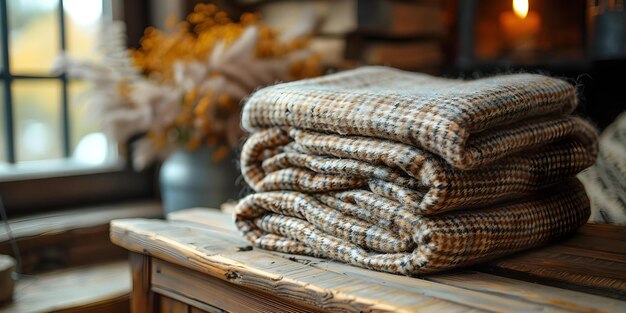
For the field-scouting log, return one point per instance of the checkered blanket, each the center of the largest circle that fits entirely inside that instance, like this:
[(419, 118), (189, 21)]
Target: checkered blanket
[(290, 159), (467, 123), (396, 240), (407, 173)]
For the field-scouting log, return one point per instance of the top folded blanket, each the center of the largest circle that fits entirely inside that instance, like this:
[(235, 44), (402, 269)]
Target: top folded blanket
[(467, 123)]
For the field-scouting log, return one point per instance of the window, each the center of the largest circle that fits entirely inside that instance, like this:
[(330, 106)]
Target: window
[(51, 151), (41, 118)]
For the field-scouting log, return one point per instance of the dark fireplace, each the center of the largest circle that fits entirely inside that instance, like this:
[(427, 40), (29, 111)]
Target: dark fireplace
[(583, 41)]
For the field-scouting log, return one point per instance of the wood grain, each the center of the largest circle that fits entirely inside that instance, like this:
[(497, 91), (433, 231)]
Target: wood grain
[(58, 222), (481, 290), (196, 310), (205, 217), (546, 296), (594, 261), (169, 305), (65, 249), (140, 299), (7, 266), (194, 304), (71, 238), (214, 250), (120, 304), (220, 294), (603, 231), (220, 256), (98, 288)]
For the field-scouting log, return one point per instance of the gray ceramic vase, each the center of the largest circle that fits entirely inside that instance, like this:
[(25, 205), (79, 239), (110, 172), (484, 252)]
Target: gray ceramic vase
[(192, 179)]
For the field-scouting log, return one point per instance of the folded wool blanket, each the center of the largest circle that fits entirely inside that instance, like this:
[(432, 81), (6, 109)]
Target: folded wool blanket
[(467, 123), (397, 240), (392, 173), (408, 173), (605, 182)]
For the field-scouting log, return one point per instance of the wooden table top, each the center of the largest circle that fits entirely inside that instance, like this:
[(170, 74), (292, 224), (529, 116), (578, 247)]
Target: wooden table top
[(586, 273)]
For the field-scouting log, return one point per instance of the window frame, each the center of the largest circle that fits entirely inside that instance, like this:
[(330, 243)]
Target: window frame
[(63, 187)]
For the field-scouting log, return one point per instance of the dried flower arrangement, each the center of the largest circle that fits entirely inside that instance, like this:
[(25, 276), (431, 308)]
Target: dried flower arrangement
[(183, 87)]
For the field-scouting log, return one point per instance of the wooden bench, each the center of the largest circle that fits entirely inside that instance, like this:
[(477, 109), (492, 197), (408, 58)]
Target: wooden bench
[(71, 238), (91, 288), (69, 261), (198, 262)]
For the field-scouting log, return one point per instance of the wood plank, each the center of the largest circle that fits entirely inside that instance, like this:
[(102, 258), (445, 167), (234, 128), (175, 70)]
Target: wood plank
[(141, 297), (567, 300), (35, 225), (570, 266), (196, 306), (65, 249), (216, 292), (196, 310), (597, 244), (119, 304), (204, 216), (494, 285), (7, 266), (470, 286), (217, 253), (396, 286), (71, 238), (220, 256), (101, 288), (607, 231), (168, 305)]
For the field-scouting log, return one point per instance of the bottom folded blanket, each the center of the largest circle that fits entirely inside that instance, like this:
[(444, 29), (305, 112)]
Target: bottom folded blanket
[(333, 225)]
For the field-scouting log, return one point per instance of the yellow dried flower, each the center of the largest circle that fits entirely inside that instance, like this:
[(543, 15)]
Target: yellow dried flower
[(203, 104), (223, 101), (203, 117), (193, 143), (190, 97), (221, 153)]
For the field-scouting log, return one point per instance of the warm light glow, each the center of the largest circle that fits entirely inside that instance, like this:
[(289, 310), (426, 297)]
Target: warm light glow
[(83, 12), (520, 7)]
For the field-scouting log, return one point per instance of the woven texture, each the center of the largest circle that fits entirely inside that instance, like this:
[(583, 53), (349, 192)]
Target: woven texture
[(605, 182), (398, 241), (305, 161), (467, 123), (407, 173)]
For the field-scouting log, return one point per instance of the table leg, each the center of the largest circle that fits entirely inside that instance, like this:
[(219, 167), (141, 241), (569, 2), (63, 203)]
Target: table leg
[(141, 296)]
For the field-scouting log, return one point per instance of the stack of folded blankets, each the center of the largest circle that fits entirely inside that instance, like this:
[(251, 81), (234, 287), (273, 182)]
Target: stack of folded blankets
[(408, 173)]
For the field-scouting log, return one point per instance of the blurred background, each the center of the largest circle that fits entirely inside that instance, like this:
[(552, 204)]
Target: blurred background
[(35, 38), (54, 155), (577, 39), (59, 169)]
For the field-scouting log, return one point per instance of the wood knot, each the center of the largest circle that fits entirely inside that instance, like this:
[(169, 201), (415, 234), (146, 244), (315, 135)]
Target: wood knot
[(301, 261), (245, 248), (230, 275)]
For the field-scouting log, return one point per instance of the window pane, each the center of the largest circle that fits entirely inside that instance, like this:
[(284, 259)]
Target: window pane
[(3, 140), (82, 19), (34, 35), (89, 144), (37, 109), (1, 45)]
